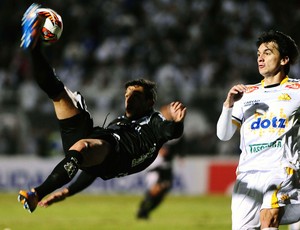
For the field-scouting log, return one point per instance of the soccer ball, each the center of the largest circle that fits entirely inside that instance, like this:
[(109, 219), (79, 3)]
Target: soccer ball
[(52, 27)]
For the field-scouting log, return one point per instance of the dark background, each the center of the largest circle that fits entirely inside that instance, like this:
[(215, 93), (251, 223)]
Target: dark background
[(194, 50)]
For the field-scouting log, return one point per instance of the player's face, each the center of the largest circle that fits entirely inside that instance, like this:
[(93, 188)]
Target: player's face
[(268, 59), (136, 104)]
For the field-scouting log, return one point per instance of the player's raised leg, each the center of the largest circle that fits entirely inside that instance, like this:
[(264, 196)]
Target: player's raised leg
[(64, 106)]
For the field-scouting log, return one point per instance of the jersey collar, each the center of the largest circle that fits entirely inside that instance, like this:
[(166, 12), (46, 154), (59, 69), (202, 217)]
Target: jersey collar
[(284, 80)]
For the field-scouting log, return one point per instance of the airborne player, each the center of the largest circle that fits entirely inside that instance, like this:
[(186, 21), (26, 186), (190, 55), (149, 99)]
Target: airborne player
[(129, 144)]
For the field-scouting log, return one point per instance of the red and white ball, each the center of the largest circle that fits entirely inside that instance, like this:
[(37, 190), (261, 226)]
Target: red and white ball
[(52, 27)]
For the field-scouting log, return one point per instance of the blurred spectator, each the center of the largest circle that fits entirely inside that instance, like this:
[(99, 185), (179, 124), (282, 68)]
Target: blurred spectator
[(193, 48)]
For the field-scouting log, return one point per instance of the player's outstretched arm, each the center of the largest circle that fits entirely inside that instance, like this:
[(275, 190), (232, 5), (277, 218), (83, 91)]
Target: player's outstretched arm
[(177, 111), (83, 181), (54, 198)]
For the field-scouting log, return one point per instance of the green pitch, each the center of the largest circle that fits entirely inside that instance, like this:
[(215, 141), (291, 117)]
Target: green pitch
[(90, 212)]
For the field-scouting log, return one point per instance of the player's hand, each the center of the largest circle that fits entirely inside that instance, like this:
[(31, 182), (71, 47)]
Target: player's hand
[(54, 198), (234, 94), (177, 111)]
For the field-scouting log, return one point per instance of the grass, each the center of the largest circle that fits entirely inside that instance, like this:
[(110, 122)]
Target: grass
[(117, 212)]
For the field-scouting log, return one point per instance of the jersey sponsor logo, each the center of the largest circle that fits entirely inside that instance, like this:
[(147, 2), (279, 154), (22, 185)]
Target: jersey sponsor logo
[(269, 123), (250, 103), (259, 147), (284, 97), (252, 88), (143, 157), (293, 85)]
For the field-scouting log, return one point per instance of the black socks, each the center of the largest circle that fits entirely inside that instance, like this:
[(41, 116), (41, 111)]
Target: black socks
[(148, 204), (44, 74), (62, 174)]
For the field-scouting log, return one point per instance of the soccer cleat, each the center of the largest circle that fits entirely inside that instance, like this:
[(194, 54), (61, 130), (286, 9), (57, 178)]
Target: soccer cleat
[(142, 215), (30, 27), (28, 199)]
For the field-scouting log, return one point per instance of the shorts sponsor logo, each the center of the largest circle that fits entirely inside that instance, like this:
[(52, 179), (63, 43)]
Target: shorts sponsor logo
[(259, 147)]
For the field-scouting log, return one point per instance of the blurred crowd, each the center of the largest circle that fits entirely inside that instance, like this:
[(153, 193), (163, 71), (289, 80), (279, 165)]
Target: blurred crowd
[(194, 49)]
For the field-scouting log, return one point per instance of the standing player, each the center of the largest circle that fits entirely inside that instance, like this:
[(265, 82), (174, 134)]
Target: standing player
[(128, 145), (267, 114), (159, 180)]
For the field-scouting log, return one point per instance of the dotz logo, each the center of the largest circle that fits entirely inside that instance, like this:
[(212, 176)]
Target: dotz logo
[(267, 123), (264, 120)]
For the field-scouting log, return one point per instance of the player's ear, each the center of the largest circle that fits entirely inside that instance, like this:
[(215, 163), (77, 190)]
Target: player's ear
[(284, 60)]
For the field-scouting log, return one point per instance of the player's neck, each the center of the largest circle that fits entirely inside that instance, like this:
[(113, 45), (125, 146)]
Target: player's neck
[(274, 80)]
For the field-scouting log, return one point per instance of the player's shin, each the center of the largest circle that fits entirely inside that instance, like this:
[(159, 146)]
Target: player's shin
[(62, 174)]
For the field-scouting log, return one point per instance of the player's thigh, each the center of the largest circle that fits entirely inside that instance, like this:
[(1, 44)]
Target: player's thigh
[(280, 192), (246, 202), (93, 151), (64, 106), (75, 128)]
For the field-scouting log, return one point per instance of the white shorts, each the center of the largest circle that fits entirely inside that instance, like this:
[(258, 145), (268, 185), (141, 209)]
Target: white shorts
[(256, 190)]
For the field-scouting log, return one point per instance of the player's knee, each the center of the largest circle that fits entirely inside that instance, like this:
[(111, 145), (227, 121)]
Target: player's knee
[(80, 146)]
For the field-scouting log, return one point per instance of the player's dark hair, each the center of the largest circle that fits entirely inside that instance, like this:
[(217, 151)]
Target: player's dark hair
[(150, 88), (286, 45)]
